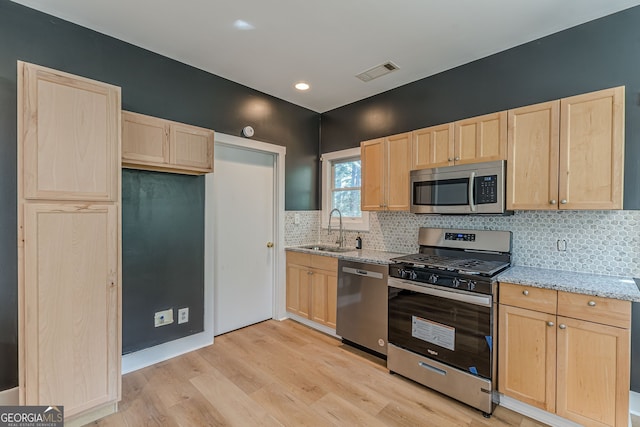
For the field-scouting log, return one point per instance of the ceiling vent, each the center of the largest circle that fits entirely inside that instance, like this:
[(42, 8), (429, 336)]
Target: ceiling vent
[(377, 71)]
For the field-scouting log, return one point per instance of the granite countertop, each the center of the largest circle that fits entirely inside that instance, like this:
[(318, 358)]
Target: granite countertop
[(623, 288), (357, 255)]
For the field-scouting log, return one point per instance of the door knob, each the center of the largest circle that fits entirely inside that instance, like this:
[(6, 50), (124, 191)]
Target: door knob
[(269, 244)]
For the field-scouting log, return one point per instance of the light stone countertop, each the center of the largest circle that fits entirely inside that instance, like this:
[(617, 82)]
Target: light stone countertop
[(357, 255), (623, 288)]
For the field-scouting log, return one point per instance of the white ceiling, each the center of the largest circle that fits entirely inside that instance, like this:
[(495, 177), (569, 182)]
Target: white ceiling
[(327, 42)]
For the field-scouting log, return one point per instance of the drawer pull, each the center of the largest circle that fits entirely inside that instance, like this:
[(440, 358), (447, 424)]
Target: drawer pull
[(562, 326), (550, 323), (591, 303), (525, 293)]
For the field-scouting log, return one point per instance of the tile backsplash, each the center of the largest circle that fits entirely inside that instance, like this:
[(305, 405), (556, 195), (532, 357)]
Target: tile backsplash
[(601, 242)]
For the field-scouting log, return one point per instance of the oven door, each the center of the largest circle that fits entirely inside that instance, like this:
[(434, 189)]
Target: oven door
[(450, 326)]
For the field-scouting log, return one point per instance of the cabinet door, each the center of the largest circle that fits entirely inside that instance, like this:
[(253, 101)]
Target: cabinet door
[(69, 136), (432, 147), (592, 150), (298, 292), (481, 139), (527, 356), (398, 167), (593, 373), (324, 285), (145, 140), (372, 157), (532, 160), (191, 147), (71, 306)]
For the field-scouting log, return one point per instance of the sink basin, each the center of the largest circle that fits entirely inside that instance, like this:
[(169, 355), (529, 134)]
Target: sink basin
[(326, 248)]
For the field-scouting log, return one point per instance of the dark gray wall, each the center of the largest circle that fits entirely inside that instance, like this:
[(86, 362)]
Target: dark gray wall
[(162, 255), (151, 84), (596, 55)]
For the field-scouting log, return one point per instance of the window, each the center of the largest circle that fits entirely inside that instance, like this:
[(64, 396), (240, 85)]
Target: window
[(341, 180)]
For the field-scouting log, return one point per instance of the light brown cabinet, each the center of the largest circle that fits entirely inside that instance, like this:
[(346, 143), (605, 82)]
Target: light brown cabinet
[(480, 139), (156, 144), (312, 287), (432, 147), (565, 353), (69, 269), (386, 163), (472, 140), (567, 154)]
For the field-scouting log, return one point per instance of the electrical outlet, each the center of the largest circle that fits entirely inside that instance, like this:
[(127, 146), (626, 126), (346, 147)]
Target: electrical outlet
[(162, 318), (183, 315), (296, 219)]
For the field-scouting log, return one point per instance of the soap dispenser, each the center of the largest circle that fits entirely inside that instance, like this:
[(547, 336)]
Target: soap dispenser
[(358, 242)]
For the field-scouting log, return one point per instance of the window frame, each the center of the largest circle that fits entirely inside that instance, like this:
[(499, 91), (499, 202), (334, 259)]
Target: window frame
[(348, 223)]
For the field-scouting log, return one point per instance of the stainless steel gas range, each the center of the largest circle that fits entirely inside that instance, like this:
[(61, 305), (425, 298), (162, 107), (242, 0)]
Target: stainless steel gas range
[(443, 313)]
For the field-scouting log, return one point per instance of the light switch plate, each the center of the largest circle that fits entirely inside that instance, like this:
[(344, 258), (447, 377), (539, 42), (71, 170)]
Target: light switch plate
[(183, 315)]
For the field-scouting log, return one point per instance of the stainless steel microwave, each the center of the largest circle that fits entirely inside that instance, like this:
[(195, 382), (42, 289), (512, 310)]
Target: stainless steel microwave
[(477, 188)]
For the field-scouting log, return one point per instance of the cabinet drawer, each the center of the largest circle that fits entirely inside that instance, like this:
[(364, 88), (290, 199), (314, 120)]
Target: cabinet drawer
[(607, 311), (299, 258), (537, 299), (324, 263)]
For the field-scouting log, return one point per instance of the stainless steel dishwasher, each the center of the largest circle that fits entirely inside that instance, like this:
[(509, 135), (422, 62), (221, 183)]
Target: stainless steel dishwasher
[(362, 305)]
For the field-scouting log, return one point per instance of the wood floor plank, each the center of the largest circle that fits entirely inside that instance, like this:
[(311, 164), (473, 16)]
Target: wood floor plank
[(234, 404), (343, 413), (284, 373), (287, 408)]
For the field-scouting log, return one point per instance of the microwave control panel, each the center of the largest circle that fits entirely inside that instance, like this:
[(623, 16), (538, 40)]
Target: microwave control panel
[(486, 189)]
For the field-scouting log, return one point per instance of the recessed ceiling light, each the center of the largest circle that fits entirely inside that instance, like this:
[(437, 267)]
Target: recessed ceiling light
[(243, 25), (302, 86)]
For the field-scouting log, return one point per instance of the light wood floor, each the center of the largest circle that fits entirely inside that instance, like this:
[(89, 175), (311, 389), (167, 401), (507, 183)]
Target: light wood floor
[(283, 373)]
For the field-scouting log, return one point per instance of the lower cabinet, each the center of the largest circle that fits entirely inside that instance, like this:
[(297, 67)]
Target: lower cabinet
[(565, 353), (312, 287)]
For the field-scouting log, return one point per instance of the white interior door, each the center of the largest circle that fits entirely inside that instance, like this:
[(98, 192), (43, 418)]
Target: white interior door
[(243, 215)]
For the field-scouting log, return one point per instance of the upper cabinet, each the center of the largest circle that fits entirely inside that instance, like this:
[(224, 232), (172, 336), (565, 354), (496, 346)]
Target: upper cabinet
[(385, 173), (162, 145), (70, 137), (481, 139), (592, 150), (567, 154), (432, 147), (473, 140)]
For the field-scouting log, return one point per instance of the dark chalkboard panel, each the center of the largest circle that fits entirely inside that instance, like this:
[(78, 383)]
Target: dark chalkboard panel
[(162, 255)]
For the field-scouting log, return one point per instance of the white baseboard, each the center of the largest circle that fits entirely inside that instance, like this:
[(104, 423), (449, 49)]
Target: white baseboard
[(159, 353), (9, 397), (634, 403), (312, 324), (535, 413)]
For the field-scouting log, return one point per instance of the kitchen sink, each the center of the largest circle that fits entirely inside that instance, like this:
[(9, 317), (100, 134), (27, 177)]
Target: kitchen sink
[(326, 248)]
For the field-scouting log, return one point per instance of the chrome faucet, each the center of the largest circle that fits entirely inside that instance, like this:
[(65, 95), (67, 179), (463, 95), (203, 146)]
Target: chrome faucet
[(340, 240)]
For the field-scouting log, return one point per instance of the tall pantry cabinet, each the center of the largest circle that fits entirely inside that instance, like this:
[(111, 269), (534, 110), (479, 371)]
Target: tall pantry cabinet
[(69, 242)]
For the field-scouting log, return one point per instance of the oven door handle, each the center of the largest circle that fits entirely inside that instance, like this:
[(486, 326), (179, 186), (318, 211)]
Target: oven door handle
[(481, 300), (472, 183)]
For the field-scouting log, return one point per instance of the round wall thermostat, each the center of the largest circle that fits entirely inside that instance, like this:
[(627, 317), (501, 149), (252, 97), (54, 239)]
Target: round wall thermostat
[(247, 131)]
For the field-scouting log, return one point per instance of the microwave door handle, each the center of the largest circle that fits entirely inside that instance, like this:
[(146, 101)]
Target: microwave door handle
[(472, 181)]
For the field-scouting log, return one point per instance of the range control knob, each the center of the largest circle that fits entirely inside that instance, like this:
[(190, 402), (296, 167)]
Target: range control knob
[(413, 275), (456, 282), (433, 279), (471, 285)]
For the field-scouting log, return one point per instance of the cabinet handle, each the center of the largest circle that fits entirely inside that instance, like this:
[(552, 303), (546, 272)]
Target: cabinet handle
[(563, 201), (550, 323), (525, 293), (553, 202), (309, 272), (456, 159), (450, 159), (562, 326), (591, 303)]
